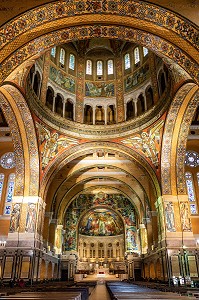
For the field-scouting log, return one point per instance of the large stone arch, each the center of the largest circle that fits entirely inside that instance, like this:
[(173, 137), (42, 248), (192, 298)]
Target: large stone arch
[(90, 147), (24, 139), (155, 43), (174, 139)]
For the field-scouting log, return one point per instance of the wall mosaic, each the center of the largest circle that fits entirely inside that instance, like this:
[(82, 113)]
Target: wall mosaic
[(61, 9), (148, 142), (61, 79), (182, 143), (101, 222), (93, 147), (15, 217), (154, 43), (51, 143), (101, 89), (137, 78), (31, 218), (18, 148), (31, 139), (87, 201), (166, 154)]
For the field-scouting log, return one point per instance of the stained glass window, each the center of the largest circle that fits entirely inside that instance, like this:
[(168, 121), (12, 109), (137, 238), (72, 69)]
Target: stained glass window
[(10, 188), (1, 184), (110, 66), (53, 51), (191, 192), (89, 67), (62, 56), (127, 62), (193, 209), (145, 51), (191, 159), (7, 210), (136, 55), (72, 62), (190, 187), (99, 67)]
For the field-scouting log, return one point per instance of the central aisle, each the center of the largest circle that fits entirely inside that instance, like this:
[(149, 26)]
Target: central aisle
[(100, 293)]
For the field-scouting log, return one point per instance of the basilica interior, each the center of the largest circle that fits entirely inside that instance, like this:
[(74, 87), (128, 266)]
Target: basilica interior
[(99, 130)]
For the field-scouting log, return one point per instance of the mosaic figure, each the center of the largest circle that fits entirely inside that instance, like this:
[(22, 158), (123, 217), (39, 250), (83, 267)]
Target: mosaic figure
[(148, 142), (15, 216), (169, 215), (31, 218), (50, 142), (185, 219)]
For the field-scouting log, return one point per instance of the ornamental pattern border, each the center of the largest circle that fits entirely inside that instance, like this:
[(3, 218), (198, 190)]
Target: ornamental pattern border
[(156, 44), (167, 137), (86, 148), (31, 139), (182, 142), (18, 149), (136, 9)]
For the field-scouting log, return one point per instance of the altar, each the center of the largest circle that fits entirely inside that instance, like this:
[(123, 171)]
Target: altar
[(101, 272)]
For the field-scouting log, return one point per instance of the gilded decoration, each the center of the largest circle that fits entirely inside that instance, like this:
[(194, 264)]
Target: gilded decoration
[(18, 148), (31, 138), (98, 132), (182, 143), (166, 154), (51, 143), (148, 142), (154, 43), (64, 9), (82, 149)]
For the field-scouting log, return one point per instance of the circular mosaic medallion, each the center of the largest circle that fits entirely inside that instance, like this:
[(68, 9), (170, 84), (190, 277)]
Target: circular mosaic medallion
[(192, 159), (7, 160)]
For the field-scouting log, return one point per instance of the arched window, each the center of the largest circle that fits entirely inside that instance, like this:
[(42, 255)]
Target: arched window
[(110, 67), (9, 194), (72, 62), (99, 67), (53, 52), (89, 67), (127, 61), (191, 192), (1, 184), (62, 56), (136, 55), (145, 51)]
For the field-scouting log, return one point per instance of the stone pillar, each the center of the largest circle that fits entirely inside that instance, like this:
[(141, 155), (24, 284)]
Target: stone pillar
[(154, 79), (46, 70), (94, 107), (54, 102), (135, 107), (130, 266), (105, 114), (64, 106), (145, 103), (51, 234), (58, 239)]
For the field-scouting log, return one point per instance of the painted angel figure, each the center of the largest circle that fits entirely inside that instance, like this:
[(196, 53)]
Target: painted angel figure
[(51, 141), (147, 142)]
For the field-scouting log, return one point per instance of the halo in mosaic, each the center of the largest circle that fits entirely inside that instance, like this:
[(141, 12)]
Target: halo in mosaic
[(7, 160)]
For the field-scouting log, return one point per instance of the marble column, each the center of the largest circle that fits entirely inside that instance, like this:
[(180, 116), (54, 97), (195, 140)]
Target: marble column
[(46, 70)]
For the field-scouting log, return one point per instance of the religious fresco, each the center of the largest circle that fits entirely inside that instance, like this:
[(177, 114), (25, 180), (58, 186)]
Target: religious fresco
[(148, 142), (31, 217), (51, 142), (137, 78), (87, 201), (169, 216), (101, 222), (15, 217), (101, 89), (62, 80)]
